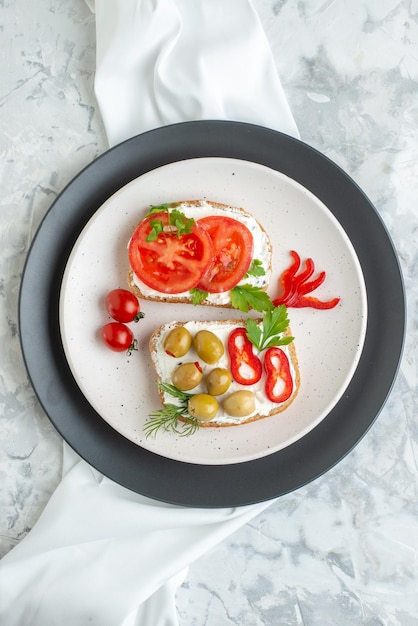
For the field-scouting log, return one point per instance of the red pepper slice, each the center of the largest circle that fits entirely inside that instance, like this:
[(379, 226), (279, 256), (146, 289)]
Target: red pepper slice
[(287, 277), (279, 381), (295, 286), (246, 367), (314, 303)]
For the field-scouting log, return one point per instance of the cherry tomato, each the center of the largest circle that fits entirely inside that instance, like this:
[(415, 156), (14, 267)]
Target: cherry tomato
[(123, 306), (118, 337), (171, 263), (232, 253)]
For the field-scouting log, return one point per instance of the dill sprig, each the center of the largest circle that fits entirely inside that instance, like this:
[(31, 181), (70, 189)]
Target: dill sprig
[(167, 419)]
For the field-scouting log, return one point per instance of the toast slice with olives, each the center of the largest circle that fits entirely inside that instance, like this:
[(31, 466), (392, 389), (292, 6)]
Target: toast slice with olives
[(211, 374)]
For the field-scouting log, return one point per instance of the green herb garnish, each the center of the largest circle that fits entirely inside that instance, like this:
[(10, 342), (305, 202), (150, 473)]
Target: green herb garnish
[(182, 223), (246, 297), (274, 324), (256, 269), (160, 208), (198, 295), (167, 418), (178, 222), (157, 227)]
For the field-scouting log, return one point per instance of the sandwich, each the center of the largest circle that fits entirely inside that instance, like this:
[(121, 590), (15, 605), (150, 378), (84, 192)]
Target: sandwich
[(222, 373), (200, 252)]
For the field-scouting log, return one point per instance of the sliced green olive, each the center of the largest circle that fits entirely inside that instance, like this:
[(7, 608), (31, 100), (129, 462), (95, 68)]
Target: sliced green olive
[(177, 342), (187, 376), (240, 403), (203, 406), (208, 346), (218, 381)]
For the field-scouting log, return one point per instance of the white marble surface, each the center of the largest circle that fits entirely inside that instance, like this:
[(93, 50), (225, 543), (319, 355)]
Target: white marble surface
[(344, 549)]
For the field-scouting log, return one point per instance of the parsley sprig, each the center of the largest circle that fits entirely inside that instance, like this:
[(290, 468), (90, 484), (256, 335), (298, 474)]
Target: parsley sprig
[(256, 269), (243, 298), (180, 224), (269, 334), (168, 418), (198, 295), (246, 297)]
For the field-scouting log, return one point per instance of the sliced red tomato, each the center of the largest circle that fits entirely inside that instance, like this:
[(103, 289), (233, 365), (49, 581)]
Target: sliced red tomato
[(170, 263), (232, 253)]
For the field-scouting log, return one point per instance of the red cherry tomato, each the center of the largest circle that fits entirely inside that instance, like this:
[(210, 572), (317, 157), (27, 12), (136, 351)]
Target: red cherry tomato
[(232, 253), (123, 306), (118, 337), (171, 263)]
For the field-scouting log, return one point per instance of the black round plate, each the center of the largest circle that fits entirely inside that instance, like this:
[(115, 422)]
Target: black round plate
[(207, 485)]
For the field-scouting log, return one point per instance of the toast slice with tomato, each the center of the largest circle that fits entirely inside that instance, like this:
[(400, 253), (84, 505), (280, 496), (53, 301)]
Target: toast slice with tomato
[(199, 252), (210, 374)]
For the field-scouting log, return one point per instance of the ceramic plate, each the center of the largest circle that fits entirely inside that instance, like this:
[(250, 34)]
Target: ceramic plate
[(329, 343), (313, 185)]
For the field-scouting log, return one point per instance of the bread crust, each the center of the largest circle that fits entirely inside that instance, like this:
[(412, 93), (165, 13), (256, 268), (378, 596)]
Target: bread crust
[(172, 298), (158, 336)]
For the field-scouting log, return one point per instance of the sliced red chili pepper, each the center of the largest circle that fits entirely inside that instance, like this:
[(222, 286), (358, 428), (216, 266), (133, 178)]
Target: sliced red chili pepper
[(246, 367), (299, 282), (279, 381), (314, 303), (295, 286), (303, 276), (312, 284), (286, 279)]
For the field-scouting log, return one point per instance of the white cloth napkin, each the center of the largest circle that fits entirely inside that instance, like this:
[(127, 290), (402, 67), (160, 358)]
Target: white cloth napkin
[(101, 554), (166, 61)]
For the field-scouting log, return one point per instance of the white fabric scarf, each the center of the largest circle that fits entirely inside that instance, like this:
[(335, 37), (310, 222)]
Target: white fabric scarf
[(101, 554)]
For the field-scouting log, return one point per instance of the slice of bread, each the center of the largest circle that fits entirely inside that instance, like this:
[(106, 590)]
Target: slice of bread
[(165, 365), (203, 208)]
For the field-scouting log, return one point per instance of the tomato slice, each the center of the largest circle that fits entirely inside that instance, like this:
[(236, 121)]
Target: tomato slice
[(232, 252), (171, 263)]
